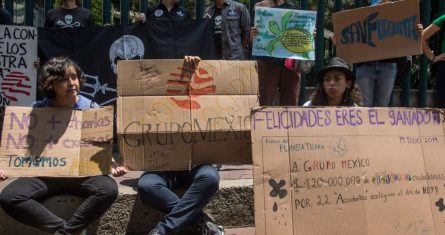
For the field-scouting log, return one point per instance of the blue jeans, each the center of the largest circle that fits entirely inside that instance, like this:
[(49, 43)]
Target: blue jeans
[(21, 200), (155, 190), (376, 82)]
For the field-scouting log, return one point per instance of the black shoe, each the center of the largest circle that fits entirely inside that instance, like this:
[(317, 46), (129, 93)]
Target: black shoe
[(155, 231), (208, 227)]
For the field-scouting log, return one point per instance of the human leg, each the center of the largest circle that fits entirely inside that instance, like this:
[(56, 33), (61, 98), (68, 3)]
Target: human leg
[(21, 200), (100, 193), (268, 77), (155, 189), (386, 76), (366, 77), (289, 87)]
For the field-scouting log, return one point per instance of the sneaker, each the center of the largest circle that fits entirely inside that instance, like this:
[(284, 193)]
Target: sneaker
[(207, 226)]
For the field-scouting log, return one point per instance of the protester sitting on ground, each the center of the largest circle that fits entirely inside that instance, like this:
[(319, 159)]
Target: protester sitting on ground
[(201, 183), (336, 86), (272, 72), (437, 57), (60, 82), (5, 17), (69, 15)]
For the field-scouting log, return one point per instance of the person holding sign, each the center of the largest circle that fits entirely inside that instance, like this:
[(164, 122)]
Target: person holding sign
[(60, 82), (336, 86), (231, 28), (273, 73), (437, 57)]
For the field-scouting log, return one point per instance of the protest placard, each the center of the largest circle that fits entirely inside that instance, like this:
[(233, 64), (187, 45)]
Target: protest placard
[(56, 142), (284, 33), (18, 76), (172, 116), (378, 32), (348, 171)]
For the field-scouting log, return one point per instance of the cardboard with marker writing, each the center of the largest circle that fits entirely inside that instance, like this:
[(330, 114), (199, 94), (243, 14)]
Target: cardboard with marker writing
[(56, 142), (172, 116), (378, 32), (348, 171)]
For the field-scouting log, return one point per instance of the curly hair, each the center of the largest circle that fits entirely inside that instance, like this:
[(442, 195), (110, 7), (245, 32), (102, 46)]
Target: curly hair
[(352, 96), (54, 70)]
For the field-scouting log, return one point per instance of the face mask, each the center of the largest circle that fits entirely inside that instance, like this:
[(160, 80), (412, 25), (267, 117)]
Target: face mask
[(375, 2)]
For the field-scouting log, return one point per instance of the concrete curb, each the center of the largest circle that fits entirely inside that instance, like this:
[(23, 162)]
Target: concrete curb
[(232, 206)]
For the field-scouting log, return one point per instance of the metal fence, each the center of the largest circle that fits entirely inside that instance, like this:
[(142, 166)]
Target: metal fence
[(33, 12)]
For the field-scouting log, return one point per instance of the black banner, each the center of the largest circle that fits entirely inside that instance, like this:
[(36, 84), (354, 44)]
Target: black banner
[(97, 50)]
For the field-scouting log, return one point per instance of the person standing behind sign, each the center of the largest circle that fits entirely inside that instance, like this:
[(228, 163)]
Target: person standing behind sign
[(437, 57), (5, 17), (60, 81), (69, 15), (165, 10), (376, 78), (336, 86), (271, 71), (231, 28)]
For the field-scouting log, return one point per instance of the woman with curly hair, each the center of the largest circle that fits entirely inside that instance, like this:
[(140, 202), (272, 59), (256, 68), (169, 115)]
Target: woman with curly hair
[(337, 86)]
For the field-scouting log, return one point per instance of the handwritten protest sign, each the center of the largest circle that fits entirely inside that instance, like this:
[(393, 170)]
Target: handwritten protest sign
[(171, 116), (284, 33), (56, 142), (378, 32), (18, 52), (348, 171)]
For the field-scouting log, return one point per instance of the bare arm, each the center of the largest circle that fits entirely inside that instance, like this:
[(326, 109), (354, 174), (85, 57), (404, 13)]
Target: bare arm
[(426, 34)]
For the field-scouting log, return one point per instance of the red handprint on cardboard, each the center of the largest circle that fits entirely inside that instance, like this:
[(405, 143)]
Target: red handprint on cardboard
[(13, 84), (192, 82)]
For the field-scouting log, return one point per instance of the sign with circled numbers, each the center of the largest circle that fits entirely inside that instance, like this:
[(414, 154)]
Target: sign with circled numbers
[(349, 170)]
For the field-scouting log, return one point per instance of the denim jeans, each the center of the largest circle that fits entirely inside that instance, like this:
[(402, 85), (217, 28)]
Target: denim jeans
[(376, 82), (155, 190), (21, 200)]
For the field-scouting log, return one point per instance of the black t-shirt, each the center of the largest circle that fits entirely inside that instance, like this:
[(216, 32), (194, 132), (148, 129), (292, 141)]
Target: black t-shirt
[(217, 29), (160, 12), (5, 17), (69, 18)]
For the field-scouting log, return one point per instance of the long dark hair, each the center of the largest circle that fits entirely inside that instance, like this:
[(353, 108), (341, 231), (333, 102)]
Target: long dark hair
[(351, 97)]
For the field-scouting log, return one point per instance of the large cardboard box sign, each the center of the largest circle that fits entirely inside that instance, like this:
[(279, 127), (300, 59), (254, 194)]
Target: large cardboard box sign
[(378, 32), (172, 116), (56, 142), (348, 171)]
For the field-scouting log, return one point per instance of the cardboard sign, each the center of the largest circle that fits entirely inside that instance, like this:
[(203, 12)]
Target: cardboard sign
[(348, 171), (56, 142), (284, 33), (171, 116), (378, 32), (18, 52)]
